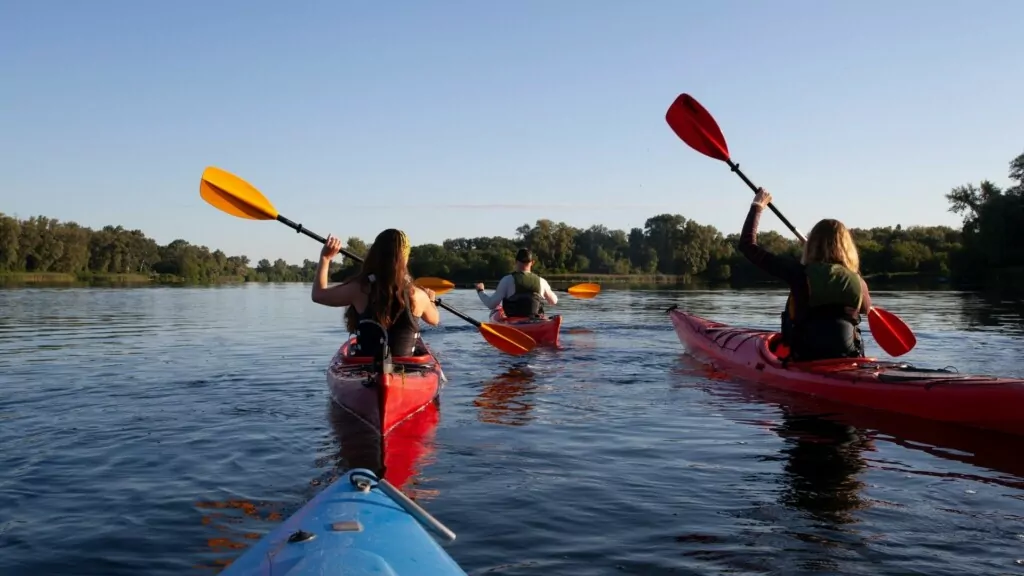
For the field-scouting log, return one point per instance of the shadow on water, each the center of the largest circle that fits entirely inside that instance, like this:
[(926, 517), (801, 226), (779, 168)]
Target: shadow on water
[(505, 399)]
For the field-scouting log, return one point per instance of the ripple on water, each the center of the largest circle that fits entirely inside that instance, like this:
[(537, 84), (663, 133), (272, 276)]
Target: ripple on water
[(163, 431)]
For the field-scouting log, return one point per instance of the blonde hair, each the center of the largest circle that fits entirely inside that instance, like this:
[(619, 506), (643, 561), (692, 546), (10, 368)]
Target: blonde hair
[(830, 242), (403, 244)]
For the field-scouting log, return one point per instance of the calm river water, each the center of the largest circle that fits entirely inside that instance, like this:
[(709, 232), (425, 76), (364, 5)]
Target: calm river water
[(162, 430)]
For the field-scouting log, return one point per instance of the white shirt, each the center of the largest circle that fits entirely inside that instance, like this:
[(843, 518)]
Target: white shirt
[(507, 288)]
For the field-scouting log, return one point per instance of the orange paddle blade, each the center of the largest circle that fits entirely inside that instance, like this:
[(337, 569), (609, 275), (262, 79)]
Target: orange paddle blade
[(229, 193), (587, 290), (892, 334), (507, 339), (438, 285)]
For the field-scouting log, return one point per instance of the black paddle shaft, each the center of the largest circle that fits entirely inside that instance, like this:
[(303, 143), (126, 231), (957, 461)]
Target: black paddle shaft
[(469, 319), (298, 228), (736, 168)]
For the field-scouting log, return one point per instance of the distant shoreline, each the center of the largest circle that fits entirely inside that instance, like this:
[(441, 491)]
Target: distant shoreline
[(14, 279), (89, 279)]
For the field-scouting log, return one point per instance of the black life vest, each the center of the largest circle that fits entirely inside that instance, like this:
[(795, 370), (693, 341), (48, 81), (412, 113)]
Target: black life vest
[(400, 338), (526, 302)]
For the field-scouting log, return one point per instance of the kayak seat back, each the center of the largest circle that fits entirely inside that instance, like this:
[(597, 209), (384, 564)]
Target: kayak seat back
[(422, 357), (526, 320), (419, 364)]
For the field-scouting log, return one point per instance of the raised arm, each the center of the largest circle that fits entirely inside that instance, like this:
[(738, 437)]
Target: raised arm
[(338, 295), (786, 269)]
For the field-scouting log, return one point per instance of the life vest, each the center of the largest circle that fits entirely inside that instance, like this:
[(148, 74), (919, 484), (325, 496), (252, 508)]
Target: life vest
[(827, 325), (399, 339), (526, 301)]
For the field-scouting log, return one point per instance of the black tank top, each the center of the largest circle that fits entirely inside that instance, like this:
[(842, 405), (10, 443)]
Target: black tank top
[(400, 337)]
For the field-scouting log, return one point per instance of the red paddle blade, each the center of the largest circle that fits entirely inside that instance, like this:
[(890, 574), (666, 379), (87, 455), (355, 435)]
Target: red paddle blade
[(891, 333), (695, 126)]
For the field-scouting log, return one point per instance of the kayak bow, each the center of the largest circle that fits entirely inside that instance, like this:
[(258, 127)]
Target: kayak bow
[(357, 525)]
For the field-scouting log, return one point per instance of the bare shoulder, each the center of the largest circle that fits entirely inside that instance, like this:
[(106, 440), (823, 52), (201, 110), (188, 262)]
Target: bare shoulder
[(418, 297)]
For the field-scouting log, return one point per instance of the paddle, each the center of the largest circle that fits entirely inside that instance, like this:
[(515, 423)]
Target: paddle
[(438, 285), (231, 194), (695, 126), (587, 290)]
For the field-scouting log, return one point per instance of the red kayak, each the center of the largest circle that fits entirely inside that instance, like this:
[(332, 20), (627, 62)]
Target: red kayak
[(381, 399), (542, 330), (986, 402)]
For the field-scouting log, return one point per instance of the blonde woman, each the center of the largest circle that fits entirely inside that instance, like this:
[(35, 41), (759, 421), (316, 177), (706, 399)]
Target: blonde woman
[(826, 292)]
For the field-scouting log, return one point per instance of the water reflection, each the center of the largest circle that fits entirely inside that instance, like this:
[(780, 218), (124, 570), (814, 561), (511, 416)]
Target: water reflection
[(224, 519), (505, 399), (398, 456), (822, 461), (992, 310), (850, 430)]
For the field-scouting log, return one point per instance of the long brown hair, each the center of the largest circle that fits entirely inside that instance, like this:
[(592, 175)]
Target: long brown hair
[(384, 278), (830, 242)]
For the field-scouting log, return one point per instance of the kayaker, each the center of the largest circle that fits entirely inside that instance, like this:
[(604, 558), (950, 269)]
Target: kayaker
[(826, 292), (380, 298), (522, 293)]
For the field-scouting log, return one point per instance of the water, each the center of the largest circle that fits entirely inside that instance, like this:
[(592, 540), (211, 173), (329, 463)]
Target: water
[(163, 430)]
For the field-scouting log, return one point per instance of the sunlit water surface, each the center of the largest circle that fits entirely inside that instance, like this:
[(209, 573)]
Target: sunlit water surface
[(164, 430)]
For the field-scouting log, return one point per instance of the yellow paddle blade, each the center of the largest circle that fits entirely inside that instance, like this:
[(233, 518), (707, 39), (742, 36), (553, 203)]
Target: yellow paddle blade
[(229, 193), (507, 339), (438, 285), (587, 290)]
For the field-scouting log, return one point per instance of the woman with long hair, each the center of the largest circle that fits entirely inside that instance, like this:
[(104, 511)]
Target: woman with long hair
[(826, 292), (381, 298)]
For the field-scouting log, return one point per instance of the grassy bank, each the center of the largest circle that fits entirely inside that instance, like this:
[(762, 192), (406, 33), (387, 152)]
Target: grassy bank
[(907, 281), (92, 278), (617, 278), (63, 278)]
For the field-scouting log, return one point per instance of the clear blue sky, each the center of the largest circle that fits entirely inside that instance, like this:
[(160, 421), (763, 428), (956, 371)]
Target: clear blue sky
[(865, 111)]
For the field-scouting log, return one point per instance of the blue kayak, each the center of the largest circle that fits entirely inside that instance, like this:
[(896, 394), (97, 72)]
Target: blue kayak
[(357, 525)]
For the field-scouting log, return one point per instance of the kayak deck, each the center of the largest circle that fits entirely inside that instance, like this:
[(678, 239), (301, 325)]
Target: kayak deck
[(979, 401), (353, 528)]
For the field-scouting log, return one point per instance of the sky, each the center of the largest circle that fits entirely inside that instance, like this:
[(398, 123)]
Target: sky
[(462, 118)]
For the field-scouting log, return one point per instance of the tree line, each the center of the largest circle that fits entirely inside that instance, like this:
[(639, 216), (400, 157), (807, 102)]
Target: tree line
[(41, 245), (988, 248)]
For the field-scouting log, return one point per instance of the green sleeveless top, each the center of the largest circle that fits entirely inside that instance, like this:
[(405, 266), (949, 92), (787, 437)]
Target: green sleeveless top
[(526, 282), (833, 285)]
